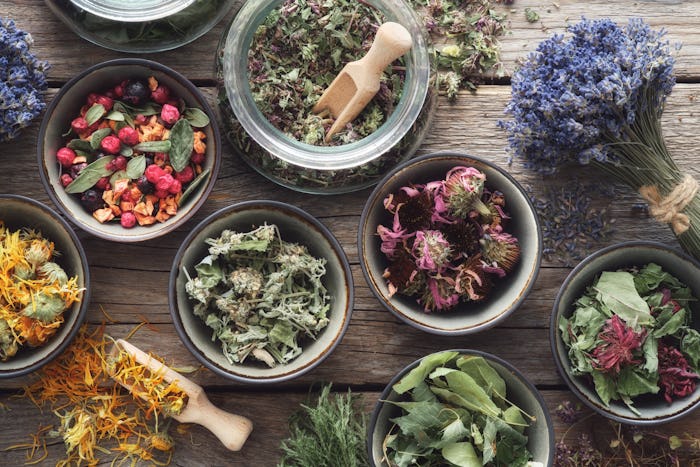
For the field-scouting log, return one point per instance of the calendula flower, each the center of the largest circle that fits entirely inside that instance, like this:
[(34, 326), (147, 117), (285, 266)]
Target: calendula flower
[(618, 346)]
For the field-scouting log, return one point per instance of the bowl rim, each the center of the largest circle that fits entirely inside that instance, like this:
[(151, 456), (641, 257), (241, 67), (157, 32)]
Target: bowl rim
[(554, 331), (422, 326), (487, 356), (84, 300), (245, 206), (165, 227)]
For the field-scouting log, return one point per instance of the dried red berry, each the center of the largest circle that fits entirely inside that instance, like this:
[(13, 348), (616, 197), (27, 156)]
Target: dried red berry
[(118, 90), (140, 119), (161, 158), (103, 183), (175, 187), (169, 114), (153, 173), (197, 158), (92, 98), (120, 162), (110, 144), (106, 102), (162, 194), (164, 182), (128, 220), (129, 136), (161, 94), (186, 175), (65, 157), (79, 125), (66, 180)]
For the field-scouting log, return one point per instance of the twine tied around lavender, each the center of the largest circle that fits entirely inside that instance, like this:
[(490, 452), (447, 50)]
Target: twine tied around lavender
[(669, 209)]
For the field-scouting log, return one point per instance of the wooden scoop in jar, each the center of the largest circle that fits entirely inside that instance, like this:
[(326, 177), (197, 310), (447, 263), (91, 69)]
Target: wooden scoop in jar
[(232, 430), (358, 81)]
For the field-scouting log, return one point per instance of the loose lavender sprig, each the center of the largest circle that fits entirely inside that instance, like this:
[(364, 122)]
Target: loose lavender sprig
[(595, 97), (22, 81)]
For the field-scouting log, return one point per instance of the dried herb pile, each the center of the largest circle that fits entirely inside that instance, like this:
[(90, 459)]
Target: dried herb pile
[(630, 332), (297, 52), (261, 296)]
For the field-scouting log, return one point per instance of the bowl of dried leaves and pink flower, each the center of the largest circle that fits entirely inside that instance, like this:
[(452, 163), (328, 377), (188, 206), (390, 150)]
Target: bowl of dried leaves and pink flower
[(624, 332), (449, 243)]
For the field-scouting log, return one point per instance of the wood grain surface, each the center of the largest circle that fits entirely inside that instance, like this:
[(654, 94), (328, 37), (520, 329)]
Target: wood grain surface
[(130, 281)]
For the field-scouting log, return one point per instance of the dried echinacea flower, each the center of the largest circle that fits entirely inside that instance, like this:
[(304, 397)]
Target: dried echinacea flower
[(618, 346), (447, 241)]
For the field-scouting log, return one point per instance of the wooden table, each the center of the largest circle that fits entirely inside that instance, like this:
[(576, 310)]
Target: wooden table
[(129, 281)]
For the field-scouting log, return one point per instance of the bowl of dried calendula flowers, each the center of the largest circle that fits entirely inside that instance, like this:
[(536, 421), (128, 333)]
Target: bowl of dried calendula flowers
[(45, 284), (261, 292), (449, 243), (129, 150)]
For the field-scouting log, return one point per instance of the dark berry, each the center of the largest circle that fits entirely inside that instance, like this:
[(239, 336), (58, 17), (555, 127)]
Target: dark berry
[(75, 169), (144, 185), (136, 92), (92, 200)]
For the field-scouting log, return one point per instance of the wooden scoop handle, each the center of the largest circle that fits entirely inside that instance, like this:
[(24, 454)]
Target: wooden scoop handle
[(391, 41), (231, 429)]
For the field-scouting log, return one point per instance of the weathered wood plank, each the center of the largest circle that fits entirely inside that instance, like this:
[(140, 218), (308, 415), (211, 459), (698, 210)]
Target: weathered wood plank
[(70, 54), (270, 412)]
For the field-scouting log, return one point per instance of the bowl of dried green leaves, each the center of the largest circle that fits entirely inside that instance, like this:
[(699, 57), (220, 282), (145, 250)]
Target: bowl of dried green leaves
[(45, 284), (261, 292), (624, 332), (460, 407)]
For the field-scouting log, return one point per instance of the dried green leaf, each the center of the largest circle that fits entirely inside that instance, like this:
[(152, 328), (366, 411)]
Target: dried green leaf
[(193, 186), (182, 142), (79, 144), (94, 113), (197, 117), (136, 167), (126, 151), (90, 175), (118, 175), (115, 115), (153, 146)]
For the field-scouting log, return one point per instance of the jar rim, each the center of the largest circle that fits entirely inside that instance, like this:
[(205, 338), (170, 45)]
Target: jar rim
[(236, 83), (132, 11)]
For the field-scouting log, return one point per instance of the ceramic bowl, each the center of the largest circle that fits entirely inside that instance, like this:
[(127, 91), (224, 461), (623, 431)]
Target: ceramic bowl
[(295, 226), (18, 212), (66, 105), (653, 408), (466, 317), (519, 391)]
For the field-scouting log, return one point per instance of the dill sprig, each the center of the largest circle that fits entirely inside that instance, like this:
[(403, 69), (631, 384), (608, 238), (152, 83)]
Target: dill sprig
[(329, 434)]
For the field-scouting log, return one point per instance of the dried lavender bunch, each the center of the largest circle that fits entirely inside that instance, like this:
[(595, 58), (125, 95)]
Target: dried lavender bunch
[(473, 27), (22, 81), (595, 97)]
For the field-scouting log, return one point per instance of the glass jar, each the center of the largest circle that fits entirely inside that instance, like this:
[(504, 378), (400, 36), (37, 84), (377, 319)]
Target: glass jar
[(323, 169), (140, 26)]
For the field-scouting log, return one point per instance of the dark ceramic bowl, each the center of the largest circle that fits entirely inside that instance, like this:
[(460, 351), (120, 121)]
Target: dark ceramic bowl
[(519, 391), (66, 105), (18, 212), (466, 317), (296, 226), (653, 408)]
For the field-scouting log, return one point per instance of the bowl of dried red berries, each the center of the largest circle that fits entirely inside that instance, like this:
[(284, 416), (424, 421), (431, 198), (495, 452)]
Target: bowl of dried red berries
[(624, 332), (129, 150), (449, 243)]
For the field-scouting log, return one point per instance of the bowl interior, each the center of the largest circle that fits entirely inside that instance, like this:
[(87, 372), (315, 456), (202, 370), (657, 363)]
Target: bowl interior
[(19, 212), (66, 106), (465, 317), (295, 226), (654, 408), (519, 391)]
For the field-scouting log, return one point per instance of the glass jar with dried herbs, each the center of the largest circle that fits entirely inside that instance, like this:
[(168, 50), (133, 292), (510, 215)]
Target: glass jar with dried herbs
[(274, 63)]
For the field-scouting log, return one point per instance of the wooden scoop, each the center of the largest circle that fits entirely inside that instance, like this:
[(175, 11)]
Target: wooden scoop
[(358, 81), (232, 430)]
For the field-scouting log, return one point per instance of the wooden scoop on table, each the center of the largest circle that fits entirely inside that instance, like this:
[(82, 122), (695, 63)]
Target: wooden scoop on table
[(358, 81), (232, 430)]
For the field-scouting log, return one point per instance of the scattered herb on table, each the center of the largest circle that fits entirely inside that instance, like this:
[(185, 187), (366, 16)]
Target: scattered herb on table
[(134, 154), (22, 81), (595, 97), (260, 295), (630, 333), (298, 50), (98, 418), (35, 291), (447, 241), (456, 411), (330, 434)]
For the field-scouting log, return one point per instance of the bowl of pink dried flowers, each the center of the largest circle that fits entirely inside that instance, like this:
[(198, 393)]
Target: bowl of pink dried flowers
[(449, 243), (129, 150), (624, 332)]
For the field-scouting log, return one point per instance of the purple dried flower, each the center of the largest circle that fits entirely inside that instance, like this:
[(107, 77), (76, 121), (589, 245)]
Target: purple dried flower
[(500, 248), (462, 191), (439, 294), (431, 250)]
